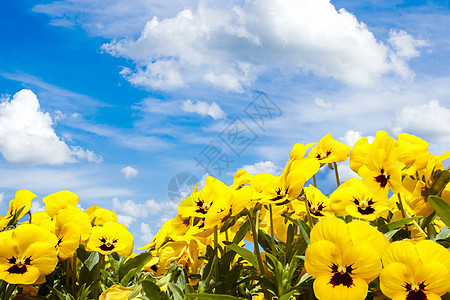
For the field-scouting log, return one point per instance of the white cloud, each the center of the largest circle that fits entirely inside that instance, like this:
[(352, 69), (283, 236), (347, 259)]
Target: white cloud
[(405, 44), (263, 167), (146, 233), (37, 206), (204, 109), (27, 134), (228, 48), (129, 211), (430, 121), (350, 137), (323, 104), (129, 172)]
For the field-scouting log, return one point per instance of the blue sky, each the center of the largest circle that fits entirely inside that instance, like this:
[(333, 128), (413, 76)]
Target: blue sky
[(111, 99)]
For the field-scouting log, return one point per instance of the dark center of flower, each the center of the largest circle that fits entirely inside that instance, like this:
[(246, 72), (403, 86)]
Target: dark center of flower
[(321, 156), (364, 207), (18, 266), (107, 244), (316, 209), (281, 193), (383, 178), (415, 292), (203, 206), (341, 275)]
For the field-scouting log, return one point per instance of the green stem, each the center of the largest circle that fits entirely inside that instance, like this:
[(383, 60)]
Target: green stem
[(308, 214), (97, 286), (216, 251), (260, 266), (29, 219), (74, 275), (272, 231), (314, 180), (67, 262), (402, 209), (337, 174)]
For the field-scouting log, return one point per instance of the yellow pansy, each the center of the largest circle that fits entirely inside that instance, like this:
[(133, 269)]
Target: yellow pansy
[(22, 200), (42, 219), (109, 238), (318, 204), (59, 200), (357, 200), (99, 215), (342, 262), (415, 271), (76, 216), (117, 292), (27, 253), (328, 150), (183, 252)]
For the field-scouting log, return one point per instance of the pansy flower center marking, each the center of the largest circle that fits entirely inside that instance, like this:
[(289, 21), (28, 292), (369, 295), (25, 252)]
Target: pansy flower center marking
[(321, 156), (107, 244), (281, 193), (415, 292), (341, 275), (316, 209), (203, 206), (364, 206), (383, 178), (19, 266)]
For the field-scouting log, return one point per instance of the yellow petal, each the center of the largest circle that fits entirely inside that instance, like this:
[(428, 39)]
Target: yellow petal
[(402, 252), (435, 277), (393, 279), (323, 290), (334, 230), (364, 260), (319, 256), (364, 234), (430, 251)]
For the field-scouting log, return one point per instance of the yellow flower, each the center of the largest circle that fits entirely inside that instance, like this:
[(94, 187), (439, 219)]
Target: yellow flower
[(342, 261), (415, 271), (357, 200), (117, 292), (99, 215), (59, 200), (76, 216), (318, 203), (299, 150), (328, 150), (42, 219), (183, 252), (27, 253), (287, 187), (111, 237), (22, 200)]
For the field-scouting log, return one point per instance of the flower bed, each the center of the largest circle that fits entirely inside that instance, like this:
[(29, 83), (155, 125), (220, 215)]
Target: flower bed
[(383, 234)]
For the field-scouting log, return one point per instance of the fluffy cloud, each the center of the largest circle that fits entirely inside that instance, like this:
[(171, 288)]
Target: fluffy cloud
[(229, 48), (145, 232), (129, 172), (27, 135), (430, 121), (323, 104), (203, 109), (350, 137), (263, 167), (129, 211), (37, 206)]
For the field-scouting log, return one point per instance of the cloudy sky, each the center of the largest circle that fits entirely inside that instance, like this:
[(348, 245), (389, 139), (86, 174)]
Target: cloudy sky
[(123, 101)]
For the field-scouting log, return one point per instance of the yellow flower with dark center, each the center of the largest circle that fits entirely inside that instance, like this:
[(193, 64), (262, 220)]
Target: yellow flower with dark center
[(318, 204), (418, 271), (111, 237), (27, 253), (59, 200), (77, 217), (328, 150), (342, 262), (99, 215), (357, 200), (269, 189)]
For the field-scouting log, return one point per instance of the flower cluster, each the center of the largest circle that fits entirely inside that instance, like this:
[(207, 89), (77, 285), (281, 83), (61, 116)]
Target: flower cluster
[(382, 233)]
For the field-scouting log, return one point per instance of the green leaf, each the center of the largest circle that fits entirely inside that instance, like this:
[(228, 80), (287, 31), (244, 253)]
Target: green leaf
[(133, 266), (205, 296), (152, 291), (441, 207), (176, 291), (441, 178), (246, 254), (92, 260), (288, 295), (391, 233), (241, 232), (304, 228), (396, 224)]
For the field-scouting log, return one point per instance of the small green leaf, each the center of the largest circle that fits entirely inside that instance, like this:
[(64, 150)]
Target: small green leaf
[(152, 291), (246, 254), (134, 265), (241, 232), (391, 233), (92, 260), (204, 296), (441, 179), (441, 207), (396, 224)]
